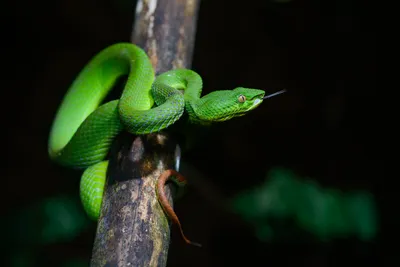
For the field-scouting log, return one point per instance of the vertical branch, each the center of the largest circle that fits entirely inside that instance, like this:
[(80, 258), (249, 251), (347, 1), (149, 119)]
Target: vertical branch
[(133, 229), (166, 30)]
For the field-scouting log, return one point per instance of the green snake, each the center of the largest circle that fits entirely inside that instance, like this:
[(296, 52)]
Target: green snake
[(84, 127)]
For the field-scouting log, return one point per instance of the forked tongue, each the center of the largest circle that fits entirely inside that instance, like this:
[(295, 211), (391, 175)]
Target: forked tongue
[(274, 94)]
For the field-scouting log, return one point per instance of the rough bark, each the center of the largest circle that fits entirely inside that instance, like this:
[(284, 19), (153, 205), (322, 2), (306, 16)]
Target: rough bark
[(166, 30), (133, 229)]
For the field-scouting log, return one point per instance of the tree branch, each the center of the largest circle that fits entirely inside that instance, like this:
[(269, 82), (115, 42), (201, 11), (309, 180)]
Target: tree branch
[(133, 229), (166, 30)]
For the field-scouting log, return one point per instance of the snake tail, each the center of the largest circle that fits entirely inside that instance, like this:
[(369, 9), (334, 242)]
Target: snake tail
[(92, 188)]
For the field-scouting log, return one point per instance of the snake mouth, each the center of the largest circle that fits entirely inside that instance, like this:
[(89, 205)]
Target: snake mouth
[(257, 100)]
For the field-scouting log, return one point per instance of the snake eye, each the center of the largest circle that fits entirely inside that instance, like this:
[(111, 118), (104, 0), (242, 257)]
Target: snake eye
[(242, 98)]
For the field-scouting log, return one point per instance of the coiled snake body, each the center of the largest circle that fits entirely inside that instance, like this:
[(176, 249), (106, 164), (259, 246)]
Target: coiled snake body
[(84, 127)]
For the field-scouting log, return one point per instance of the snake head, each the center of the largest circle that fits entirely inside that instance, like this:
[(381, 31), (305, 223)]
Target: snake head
[(226, 104)]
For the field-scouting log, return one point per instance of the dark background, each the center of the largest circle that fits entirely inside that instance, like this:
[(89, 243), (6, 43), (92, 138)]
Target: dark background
[(323, 127)]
